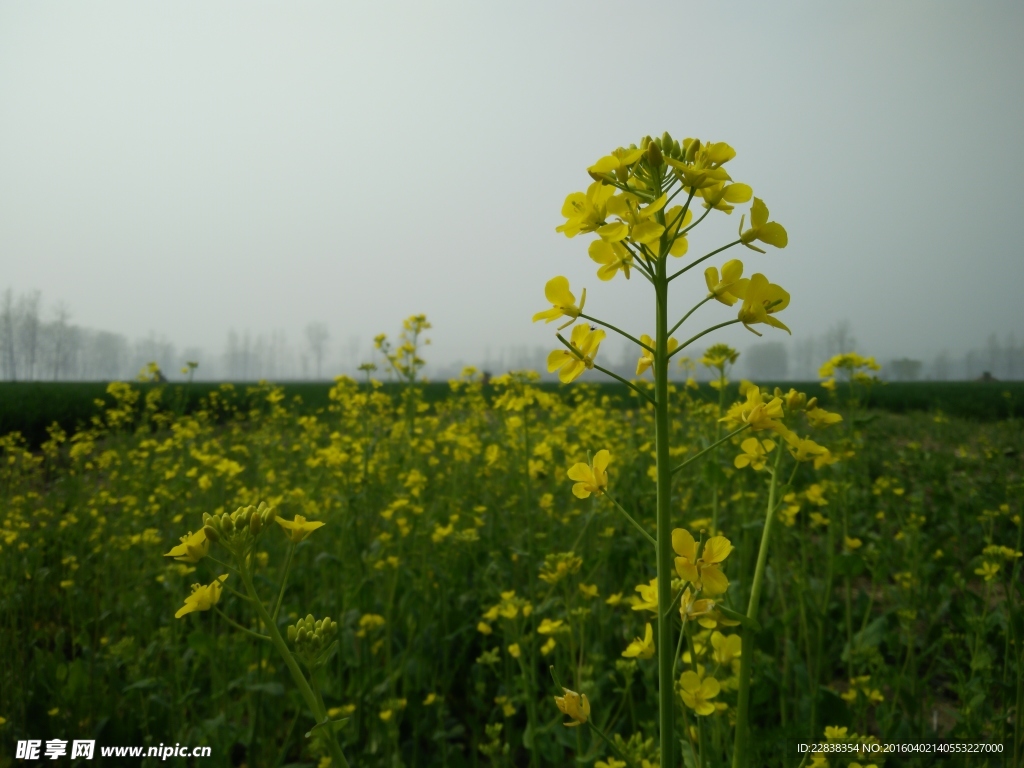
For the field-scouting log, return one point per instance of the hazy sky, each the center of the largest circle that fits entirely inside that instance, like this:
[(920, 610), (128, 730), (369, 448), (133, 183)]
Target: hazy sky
[(188, 167)]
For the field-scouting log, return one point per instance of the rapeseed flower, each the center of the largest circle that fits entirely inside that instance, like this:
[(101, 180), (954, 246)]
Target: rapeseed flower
[(612, 257), (592, 478), (641, 649), (570, 363), (769, 232), (563, 302), (585, 212), (704, 573), (574, 706), (193, 548), (761, 300), (755, 453), (697, 692), (203, 597), (647, 357), (298, 529), (648, 600), (727, 288)]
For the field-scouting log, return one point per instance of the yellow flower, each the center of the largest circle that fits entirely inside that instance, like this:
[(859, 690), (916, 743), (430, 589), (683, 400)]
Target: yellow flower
[(591, 478), (585, 212), (647, 357), (203, 597), (988, 570), (721, 196), (819, 417), (641, 649), (648, 600), (564, 302), (570, 363), (835, 732), (549, 627), (705, 573), (515, 651), (852, 543), (761, 300), (697, 693), (724, 289), (193, 547), (299, 528), (614, 600), (574, 706), (727, 647), (756, 411), (548, 647), (769, 232), (755, 453), (589, 590), (484, 628), (610, 763), (612, 257), (701, 164), (690, 609)]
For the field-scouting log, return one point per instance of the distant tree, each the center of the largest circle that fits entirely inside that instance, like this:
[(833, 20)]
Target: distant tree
[(767, 361), (941, 366), (317, 336), (60, 338), (28, 331), (8, 325), (839, 339), (905, 369)]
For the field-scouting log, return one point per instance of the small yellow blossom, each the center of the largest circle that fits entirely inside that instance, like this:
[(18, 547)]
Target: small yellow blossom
[(298, 529), (725, 289), (641, 649), (548, 647), (574, 706), (549, 627), (515, 651), (755, 453), (203, 597), (591, 478), (769, 232), (648, 600), (564, 302), (571, 363), (697, 692), (193, 548), (647, 357)]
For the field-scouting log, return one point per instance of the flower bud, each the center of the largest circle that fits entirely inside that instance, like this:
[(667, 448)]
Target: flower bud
[(690, 149), (292, 633), (211, 533), (255, 523), (654, 156)]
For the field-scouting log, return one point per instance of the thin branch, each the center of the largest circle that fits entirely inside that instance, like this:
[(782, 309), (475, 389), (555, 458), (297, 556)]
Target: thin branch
[(687, 315), (690, 341), (710, 447), (236, 625), (629, 384), (703, 258), (632, 519), (617, 330)]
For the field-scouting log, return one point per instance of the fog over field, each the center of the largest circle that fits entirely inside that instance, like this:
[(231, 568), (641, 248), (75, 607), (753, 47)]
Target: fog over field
[(263, 189)]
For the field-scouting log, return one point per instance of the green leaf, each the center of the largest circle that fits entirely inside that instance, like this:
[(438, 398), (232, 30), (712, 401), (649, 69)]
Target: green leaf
[(743, 619)]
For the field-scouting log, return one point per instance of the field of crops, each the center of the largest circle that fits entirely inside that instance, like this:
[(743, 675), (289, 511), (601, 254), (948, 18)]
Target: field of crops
[(462, 576)]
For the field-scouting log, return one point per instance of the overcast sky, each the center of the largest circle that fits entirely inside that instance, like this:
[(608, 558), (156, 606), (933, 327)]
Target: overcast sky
[(185, 168)]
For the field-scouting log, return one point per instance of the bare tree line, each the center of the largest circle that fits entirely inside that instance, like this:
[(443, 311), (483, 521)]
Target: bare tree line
[(46, 346)]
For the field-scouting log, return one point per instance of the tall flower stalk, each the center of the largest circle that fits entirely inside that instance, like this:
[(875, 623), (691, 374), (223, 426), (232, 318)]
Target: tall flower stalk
[(629, 207)]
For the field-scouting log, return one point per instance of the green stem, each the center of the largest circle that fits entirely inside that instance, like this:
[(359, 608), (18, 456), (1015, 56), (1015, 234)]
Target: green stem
[(704, 258), (739, 756), (632, 386), (630, 518), (617, 330), (710, 448), (666, 692), (319, 714), (284, 580), (690, 341), (236, 625), (685, 317)]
